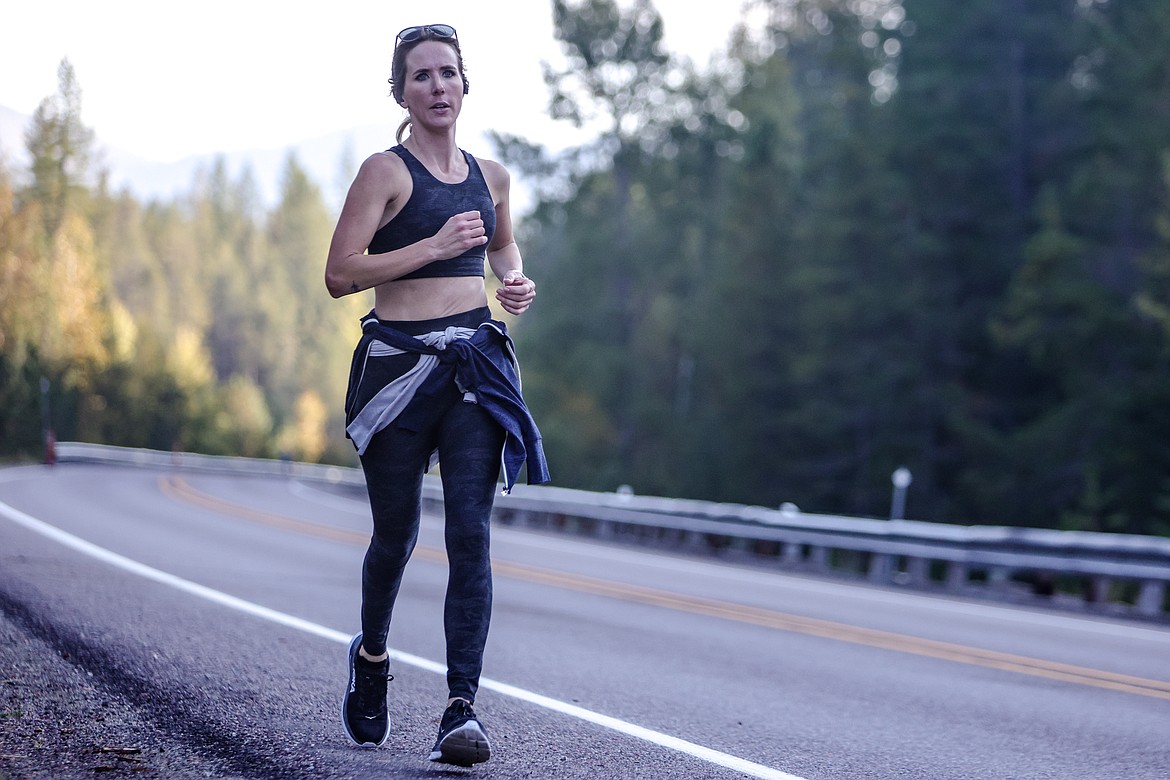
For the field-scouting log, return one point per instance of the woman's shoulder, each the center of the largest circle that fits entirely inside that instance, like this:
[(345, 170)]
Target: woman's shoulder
[(383, 170), (493, 172), (384, 162)]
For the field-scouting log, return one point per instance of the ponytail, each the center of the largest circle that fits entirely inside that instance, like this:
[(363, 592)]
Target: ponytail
[(401, 129)]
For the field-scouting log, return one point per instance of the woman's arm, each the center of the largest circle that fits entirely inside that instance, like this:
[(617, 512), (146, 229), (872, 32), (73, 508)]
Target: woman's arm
[(375, 191), (503, 254)]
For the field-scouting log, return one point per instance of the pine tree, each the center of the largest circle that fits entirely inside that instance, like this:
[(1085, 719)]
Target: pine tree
[(61, 148)]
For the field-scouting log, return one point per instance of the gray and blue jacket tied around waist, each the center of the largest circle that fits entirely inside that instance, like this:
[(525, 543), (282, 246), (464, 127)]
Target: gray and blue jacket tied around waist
[(386, 386)]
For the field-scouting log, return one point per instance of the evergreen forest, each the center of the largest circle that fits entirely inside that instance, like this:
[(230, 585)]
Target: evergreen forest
[(871, 234)]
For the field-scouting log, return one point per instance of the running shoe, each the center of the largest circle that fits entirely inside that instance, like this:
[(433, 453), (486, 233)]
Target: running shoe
[(462, 740), (363, 708)]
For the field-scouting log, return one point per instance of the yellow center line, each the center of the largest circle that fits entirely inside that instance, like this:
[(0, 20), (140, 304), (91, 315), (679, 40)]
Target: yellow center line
[(178, 488)]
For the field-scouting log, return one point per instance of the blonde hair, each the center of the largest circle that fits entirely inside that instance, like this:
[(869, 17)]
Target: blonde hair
[(401, 129)]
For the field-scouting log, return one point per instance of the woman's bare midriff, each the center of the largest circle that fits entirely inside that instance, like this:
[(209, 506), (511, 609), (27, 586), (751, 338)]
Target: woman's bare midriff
[(428, 299)]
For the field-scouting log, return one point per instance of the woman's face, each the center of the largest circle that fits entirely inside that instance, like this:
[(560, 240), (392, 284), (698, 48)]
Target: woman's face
[(433, 87)]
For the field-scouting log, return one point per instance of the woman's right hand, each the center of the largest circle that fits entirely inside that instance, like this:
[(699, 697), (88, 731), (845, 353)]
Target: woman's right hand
[(460, 233)]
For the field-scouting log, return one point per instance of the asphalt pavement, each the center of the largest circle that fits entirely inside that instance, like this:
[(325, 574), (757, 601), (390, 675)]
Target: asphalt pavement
[(197, 628)]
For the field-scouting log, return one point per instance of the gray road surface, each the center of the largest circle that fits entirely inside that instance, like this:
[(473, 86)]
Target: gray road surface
[(220, 627)]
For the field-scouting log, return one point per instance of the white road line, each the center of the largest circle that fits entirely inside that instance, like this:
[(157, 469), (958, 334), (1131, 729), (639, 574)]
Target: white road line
[(709, 755)]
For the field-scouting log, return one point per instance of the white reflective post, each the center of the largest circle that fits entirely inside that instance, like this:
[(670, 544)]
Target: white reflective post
[(901, 479)]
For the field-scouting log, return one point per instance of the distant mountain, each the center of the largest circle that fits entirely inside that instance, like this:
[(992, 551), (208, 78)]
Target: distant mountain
[(329, 160)]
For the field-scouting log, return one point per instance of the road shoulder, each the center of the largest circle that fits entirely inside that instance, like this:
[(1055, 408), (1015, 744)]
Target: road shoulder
[(56, 723)]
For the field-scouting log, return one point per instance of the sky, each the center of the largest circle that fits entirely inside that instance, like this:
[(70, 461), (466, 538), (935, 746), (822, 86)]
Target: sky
[(166, 81)]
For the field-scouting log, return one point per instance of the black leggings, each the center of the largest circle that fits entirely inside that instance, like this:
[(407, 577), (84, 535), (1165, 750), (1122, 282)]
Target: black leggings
[(469, 443)]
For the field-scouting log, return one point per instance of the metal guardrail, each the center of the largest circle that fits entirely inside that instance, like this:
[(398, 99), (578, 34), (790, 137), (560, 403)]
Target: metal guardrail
[(1113, 572)]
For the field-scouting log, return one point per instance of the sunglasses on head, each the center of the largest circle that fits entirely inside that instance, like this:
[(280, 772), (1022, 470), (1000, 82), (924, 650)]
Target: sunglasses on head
[(440, 31)]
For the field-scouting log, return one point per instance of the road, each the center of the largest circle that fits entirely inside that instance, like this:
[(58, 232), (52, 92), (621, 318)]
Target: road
[(220, 606)]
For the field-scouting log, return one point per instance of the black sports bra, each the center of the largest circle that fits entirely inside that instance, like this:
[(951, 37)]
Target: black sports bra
[(431, 204)]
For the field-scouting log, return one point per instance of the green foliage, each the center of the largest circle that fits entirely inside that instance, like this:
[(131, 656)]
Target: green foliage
[(201, 323), (910, 233), (615, 66), (876, 234), (59, 145)]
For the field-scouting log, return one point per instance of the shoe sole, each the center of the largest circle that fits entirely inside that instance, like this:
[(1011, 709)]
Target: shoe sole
[(353, 646), (464, 746)]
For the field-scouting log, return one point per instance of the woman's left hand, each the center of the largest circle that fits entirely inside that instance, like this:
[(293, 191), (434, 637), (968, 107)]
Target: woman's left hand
[(517, 292)]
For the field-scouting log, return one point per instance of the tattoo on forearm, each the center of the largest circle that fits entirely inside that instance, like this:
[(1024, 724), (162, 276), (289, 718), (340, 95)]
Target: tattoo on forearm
[(353, 287)]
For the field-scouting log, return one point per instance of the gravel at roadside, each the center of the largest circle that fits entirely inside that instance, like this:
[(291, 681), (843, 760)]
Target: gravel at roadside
[(56, 723)]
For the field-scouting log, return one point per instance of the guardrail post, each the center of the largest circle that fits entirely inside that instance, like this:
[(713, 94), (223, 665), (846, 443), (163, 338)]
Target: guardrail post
[(998, 577), (881, 566), (956, 575), (917, 571), (792, 553), (818, 557), (1099, 590), (1150, 598)]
